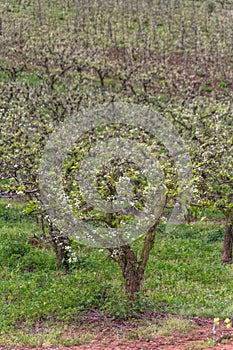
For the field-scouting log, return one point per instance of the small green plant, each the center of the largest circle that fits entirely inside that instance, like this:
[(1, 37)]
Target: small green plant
[(206, 89), (142, 333), (172, 324), (223, 85), (200, 345)]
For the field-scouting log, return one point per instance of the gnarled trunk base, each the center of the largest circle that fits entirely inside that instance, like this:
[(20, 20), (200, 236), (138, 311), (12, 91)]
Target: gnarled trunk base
[(227, 245), (131, 273)]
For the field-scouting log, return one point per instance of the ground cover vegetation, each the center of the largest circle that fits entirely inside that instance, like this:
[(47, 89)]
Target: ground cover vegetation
[(58, 57), (40, 302)]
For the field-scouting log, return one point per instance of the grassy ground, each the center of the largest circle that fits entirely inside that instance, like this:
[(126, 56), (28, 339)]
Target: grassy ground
[(184, 277)]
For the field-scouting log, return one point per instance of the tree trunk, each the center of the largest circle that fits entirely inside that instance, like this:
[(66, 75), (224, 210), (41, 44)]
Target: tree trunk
[(129, 267), (132, 268), (41, 224), (132, 283), (227, 245), (60, 245)]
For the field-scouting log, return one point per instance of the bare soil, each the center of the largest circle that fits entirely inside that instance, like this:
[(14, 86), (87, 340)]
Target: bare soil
[(116, 336)]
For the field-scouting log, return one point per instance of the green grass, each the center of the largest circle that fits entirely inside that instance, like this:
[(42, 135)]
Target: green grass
[(48, 336), (174, 324), (188, 277), (184, 277), (165, 327)]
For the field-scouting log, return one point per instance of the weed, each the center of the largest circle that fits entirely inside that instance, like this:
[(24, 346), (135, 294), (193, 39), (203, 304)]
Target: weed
[(174, 324), (141, 333), (200, 345)]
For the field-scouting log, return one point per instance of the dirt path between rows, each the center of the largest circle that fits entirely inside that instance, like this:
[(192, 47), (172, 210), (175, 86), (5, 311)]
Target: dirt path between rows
[(126, 336)]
